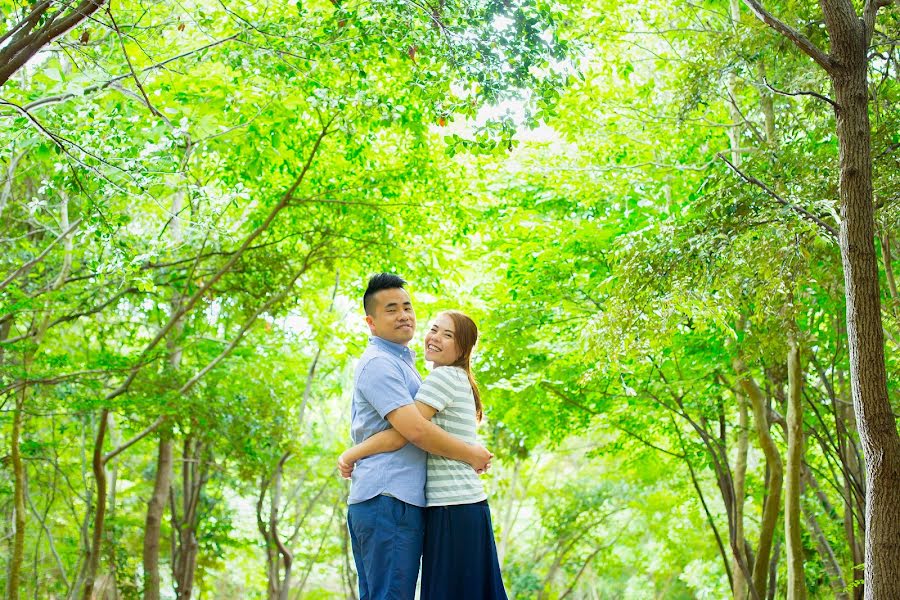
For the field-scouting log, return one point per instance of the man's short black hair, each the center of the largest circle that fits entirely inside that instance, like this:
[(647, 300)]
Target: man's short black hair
[(381, 281)]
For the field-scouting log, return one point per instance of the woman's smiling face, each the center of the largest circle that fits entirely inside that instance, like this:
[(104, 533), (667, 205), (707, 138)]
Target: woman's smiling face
[(440, 342)]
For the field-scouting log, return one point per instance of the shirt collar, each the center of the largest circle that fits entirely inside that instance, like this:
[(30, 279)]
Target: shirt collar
[(392, 347)]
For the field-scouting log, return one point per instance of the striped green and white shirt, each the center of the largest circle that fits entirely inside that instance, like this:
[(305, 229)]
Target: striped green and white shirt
[(449, 481)]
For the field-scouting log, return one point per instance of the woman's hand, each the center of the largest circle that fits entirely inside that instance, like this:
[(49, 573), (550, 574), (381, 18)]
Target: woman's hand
[(345, 464)]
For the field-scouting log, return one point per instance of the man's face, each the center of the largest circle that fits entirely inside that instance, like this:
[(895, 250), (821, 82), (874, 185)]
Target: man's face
[(393, 317)]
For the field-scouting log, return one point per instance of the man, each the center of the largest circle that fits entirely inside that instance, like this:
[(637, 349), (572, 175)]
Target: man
[(387, 494)]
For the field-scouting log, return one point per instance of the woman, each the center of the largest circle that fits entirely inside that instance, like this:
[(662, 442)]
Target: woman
[(459, 559)]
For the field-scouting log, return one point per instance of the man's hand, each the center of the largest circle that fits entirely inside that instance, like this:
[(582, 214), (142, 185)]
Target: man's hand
[(480, 458), (345, 466)]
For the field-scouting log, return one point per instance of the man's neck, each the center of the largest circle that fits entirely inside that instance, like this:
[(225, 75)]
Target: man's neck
[(401, 344)]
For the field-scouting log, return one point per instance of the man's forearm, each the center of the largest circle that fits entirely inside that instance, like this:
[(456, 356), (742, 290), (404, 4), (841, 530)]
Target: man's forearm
[(384, 441)]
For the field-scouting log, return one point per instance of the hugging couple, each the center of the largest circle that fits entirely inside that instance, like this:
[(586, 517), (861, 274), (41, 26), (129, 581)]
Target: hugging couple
[(415, 492)]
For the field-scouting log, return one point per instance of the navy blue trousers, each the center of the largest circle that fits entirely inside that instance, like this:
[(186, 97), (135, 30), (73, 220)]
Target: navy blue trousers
[(460, 556), (386, 535)]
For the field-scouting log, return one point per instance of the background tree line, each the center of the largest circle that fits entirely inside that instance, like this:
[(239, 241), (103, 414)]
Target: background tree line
[(688, 329)]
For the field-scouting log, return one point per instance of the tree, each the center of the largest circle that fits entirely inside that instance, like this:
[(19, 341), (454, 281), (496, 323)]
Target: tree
[(847, 67)]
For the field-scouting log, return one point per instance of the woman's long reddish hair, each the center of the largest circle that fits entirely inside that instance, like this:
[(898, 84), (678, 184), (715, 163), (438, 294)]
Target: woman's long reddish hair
[(466, 334)]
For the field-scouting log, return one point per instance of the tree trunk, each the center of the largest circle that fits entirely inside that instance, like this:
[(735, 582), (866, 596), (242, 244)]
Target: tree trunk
[(277, 554), (868, 378), (772, 505), (796, 581), (734, 131), (847, 66), (767, 104), (93, 559), (18, 549), (154, 517), (157, 504), (185, 544), (773, 570), (739, 586), (508, 512), (888, 265), (111, 542), (315, 557)]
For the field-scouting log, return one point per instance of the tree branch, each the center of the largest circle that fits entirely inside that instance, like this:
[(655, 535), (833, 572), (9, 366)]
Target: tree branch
[(834, 104), (805, 214), (134, 76), (16, 54), (72, 316), (61, 144), (150, 429), (28, 21), (109, 82), (164, 331), (27, 266), (870, 10), (792, 34), (244, 328)]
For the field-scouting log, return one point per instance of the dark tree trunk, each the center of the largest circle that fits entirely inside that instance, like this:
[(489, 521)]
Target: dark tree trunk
[(847, 66), (154, 518), (877, 426)]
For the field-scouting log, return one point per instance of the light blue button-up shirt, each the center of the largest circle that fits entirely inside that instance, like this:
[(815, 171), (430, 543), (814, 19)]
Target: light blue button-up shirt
[(385, 379)]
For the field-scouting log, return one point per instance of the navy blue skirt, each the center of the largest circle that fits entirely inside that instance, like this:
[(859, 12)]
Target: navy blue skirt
[(459, 560)]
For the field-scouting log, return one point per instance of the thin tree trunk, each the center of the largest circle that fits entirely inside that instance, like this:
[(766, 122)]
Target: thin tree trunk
[(773, 570), (796, 582), (277, 554), (111, 542), (38, 328), (42, 520), (768, 105), (739, 586), (286, 556), (19, 522), (853, 485), (314, 558), (5, 326), (93, 559), (888, 265), (853, 505), (164, 464), (81, 567), (772, 505), (185, 543), (349, 577)]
